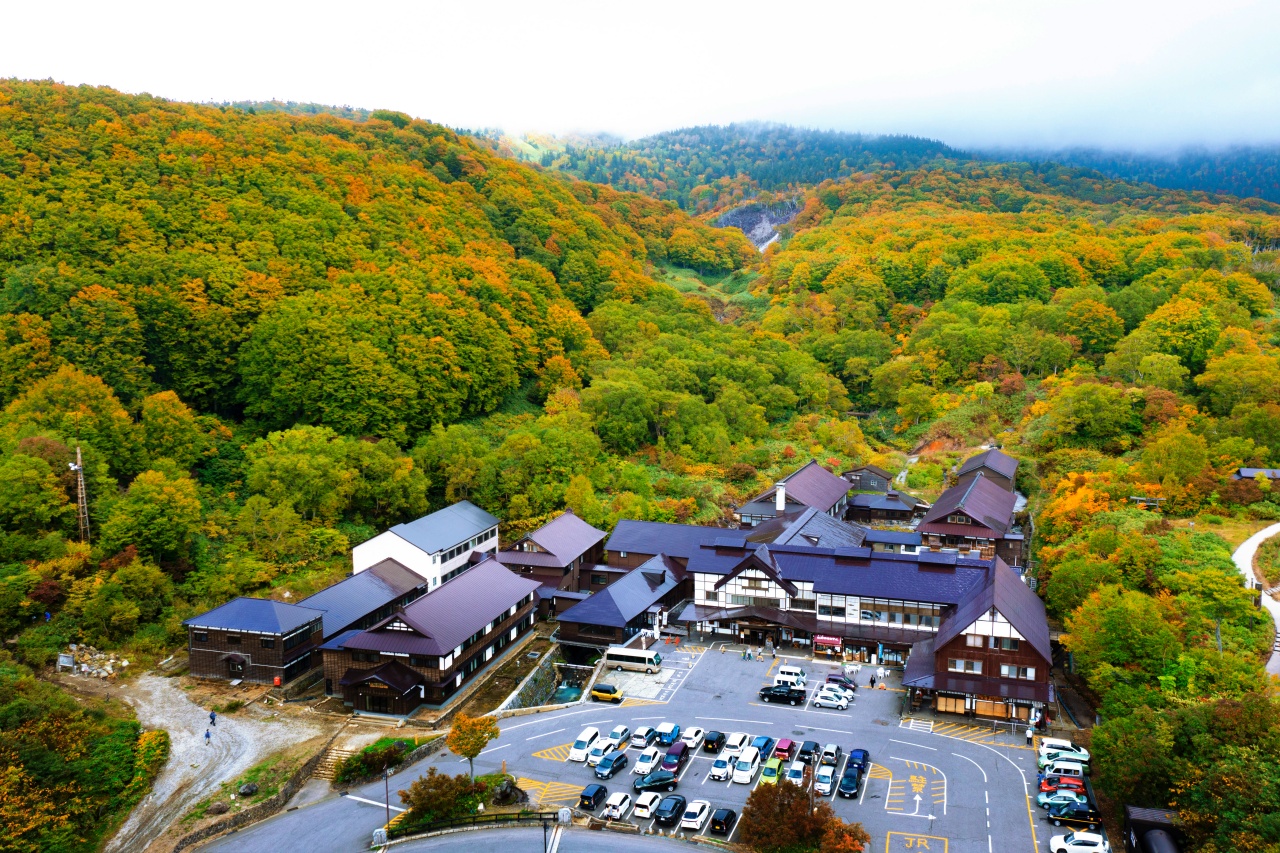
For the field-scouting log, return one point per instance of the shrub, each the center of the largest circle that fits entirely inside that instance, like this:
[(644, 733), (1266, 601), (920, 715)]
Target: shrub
[(374, 758)]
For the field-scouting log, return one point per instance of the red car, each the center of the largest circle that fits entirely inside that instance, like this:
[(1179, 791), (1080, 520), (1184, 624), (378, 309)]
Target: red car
[(785, 749), (1053, 783)]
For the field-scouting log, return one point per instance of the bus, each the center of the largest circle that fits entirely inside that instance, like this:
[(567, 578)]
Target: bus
[(620, 658)]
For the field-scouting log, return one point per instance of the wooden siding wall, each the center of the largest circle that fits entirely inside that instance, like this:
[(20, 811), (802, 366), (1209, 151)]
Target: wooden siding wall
[(262, 665), (992, 659)]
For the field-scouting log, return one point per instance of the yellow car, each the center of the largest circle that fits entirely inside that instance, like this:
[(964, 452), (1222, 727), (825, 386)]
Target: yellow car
[(606, 693), (772, 770)]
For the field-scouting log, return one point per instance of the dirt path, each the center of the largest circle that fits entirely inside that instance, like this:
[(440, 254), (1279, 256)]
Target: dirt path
[(195, 770)]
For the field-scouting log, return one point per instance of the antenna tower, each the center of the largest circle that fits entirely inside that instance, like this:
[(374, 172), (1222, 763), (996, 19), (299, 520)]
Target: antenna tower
[(82, 501)]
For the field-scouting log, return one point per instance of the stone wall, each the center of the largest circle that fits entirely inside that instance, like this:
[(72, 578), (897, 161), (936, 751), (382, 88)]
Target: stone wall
[(418, 753)]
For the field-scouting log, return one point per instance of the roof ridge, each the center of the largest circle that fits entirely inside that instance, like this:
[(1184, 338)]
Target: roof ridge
[(968, 491)]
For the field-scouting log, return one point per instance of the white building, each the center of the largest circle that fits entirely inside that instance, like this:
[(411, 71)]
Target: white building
[(437, 546)]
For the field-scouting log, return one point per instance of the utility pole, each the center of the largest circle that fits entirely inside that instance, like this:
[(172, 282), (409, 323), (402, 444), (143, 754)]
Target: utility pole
[(82, 500)]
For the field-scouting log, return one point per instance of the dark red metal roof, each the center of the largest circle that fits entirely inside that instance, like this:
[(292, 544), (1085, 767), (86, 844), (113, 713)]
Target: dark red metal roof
[(994, 459), (980, 499)]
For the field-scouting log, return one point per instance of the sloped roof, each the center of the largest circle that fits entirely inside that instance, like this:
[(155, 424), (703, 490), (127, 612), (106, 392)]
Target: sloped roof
[(628, 596), (811, 485), (873, 469), (450, 613), (995, 459), (567, 537), (761, 559), (657, 537), (255, 615), (1012, 599), (1250, 473), (888, 500), (808, 527), (980, 499), (393, 673), (348, 601), (446, 527), (892, 537)]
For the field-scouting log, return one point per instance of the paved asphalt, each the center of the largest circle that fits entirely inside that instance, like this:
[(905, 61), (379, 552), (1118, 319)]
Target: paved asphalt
[(936, 784), (1244, 562)]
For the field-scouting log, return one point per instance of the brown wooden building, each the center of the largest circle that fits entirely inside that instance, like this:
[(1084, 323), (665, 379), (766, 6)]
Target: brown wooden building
[(868, 478), (626, 607), (887, 508), (255, 640), (559, 554), (425, 652), (975, 517), (995, 465)]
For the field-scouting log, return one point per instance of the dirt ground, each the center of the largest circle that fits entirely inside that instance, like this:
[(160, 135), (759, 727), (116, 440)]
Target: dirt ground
[(195, 769), (508, 676)]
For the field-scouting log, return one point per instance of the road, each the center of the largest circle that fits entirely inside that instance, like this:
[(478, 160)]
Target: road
[(1244, 562), (529, 840), (936, 784)]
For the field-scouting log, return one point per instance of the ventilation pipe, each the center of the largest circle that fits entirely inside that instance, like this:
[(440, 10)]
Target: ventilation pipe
[(781, 495)]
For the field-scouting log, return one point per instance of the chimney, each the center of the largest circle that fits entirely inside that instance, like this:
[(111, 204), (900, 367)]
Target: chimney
[(781, 495)]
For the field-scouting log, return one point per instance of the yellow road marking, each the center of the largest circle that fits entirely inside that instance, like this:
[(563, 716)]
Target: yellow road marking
[(549, 792), (909, 841), (636, 703), (555, 753)]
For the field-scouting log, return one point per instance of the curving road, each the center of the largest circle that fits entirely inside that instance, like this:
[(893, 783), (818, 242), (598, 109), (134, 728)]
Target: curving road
[(1244, 562), (530, 839)]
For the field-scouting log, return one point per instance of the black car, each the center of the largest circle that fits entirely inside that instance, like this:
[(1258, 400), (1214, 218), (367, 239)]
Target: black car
[(592, 796), (783, 693), (713, 742), (611, 764), (670, 810), (808, 751), (658, 780), (1075, 814), (722, 821), (843, 680), (850, 782)]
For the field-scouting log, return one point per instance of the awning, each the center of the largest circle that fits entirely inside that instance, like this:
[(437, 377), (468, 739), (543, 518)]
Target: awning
[(820, 640), (234, 656)]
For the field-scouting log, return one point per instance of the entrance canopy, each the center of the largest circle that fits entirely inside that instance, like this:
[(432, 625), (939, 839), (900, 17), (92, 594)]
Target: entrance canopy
[(392, 674)]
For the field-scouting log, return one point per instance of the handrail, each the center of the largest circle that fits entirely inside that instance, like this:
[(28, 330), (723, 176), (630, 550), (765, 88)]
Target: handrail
[(407, 828)]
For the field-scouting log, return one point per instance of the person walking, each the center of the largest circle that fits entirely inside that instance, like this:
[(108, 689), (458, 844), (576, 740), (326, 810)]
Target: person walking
[(206, 737), (873, 682), (1031, 733), (213, 718)]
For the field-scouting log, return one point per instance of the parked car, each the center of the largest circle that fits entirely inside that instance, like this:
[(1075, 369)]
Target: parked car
[(599, 750), (771, 771), (1079, 842), (611, 764), (606, 693), (644, 736), (734, 743), (843, 680), (1049, 799), (582, 745), (785, 749), (670, 810), (794, 673), (824, 780), (592, 796), (693, 736), (1053, 744), (695, 815), (1075, 814), (1057, 783), (668, 733), (617, 806), (746, 767), (800, 773), (658, 780), (721, 768), (839, 689), (646, 803), (831, 699), (648, 760), (675, 757), (808, 751), (620, 737), (783, 693), (722, 821), (1047, 759), (765, 744), (713, 742), (831, 755), (861, 759), (850, 782)]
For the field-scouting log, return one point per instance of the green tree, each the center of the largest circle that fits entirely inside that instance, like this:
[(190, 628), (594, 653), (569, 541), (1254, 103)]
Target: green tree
[(159, 515), (1175, 453), (308, 468), (32, 499), (439, 797), (170, 430), (468, 736), (100, 333)]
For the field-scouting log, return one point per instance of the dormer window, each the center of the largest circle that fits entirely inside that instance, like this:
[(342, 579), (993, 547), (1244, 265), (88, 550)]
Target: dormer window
[(958, 519)]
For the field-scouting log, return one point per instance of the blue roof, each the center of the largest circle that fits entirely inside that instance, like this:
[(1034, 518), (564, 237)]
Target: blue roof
[(347, 602), (336, 643), (446, 527), (656, 537), (255, 615), (626, 598), (893, 537)]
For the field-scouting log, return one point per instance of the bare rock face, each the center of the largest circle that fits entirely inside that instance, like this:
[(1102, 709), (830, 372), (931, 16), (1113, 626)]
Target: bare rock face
[(759, 221), (507, 794), (248, 789), (219, 807)]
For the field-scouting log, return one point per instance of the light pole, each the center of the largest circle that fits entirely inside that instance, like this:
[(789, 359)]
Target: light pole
[(544, 835), (386, 787)]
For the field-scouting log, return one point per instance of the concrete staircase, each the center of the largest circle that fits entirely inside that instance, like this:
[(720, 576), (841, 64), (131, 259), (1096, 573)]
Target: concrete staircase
[(329, 764)]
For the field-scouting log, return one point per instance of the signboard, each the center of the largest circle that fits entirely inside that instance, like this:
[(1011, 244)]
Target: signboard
[(67, 661), (819, 640)]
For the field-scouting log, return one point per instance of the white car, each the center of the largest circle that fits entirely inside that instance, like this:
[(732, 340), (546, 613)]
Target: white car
[(831, 699), (695, 815), (733, 744), (1053, 744), (598, 751), (615, 808), (646, 803), (1079, 842), (1047, 758), (692, 737), (584, 743), (798, 773), (721, 769), (648, 760), (620, 737), (824, 781)]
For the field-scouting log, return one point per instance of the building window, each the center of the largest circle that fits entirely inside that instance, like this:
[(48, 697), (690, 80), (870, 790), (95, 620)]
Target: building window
[(711, 595), (268, 642), (200, 636), (622, 553), (365, 657), (599, 580), (424, 662), (1024, 672), (803, 604), (1006, 644), (828, 610), (233, 639), (973, 640), (756, 583), (958, 519), (971, 666)]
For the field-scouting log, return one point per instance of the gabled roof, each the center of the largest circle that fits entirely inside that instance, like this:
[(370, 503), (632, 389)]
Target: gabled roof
[(872, 469), (811, 485), (450, 613), (255, 615), (1012, 599), (890, 500), (761, 559), (980, 499), (565, 538), (892, 537), (657, 537), (628, 596), (994, 459), (1250, 473), (807, 527), (394, 674), (350, 600), (446, 527)]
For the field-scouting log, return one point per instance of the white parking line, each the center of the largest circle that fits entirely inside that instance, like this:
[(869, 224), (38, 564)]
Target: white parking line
[(917, 745), (544, 734), (374, 803), (556, 717)]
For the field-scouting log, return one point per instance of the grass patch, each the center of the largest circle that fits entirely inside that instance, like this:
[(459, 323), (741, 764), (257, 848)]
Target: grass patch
[(383, 752), (270, 775), (229, 708), (1267, 562)]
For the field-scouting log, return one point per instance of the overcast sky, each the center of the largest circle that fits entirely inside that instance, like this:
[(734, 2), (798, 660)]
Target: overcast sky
[(970, 72)]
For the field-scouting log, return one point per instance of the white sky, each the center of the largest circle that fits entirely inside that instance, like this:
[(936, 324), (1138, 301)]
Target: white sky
[(1149, 74)]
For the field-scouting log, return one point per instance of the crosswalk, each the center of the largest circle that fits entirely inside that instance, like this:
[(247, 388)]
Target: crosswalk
[(543, 793), (555, 753), (917, 725)]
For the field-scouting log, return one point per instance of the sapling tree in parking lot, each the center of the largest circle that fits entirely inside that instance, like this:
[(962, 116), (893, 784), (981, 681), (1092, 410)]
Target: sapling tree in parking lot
[(783, 818), (470, 735)]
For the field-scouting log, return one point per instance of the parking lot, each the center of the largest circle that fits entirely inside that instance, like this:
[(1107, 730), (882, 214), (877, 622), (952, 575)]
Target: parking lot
[(937, 785)]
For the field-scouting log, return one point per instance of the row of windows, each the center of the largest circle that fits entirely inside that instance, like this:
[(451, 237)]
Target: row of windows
[(970, 666), (464, 547), (264, 642), (1009, 671), (1007, 644)]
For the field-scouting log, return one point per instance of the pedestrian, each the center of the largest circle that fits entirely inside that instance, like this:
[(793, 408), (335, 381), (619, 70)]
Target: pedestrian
[(873, 682), (213, 718), (206, 737), (760, 654), (1031, 733)]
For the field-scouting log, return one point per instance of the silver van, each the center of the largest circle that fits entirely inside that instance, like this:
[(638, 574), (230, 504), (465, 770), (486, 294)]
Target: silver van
[(1073, 769)]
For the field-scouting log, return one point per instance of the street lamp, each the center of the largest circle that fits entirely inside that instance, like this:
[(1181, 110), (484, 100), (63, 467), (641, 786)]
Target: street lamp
[(544, 835), (386, 787)]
